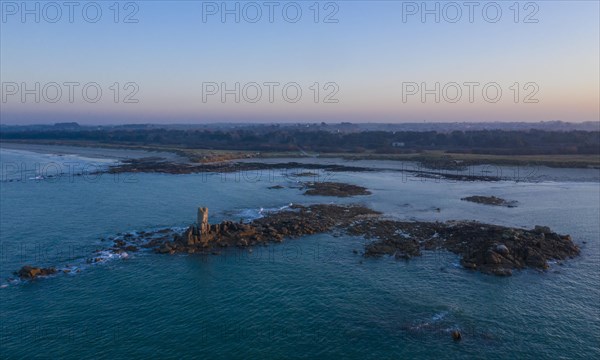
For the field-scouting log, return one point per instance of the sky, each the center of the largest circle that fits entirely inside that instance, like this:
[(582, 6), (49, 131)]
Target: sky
[(108, 62)]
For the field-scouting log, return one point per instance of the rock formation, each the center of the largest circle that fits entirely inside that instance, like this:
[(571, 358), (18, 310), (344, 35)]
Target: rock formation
[(31, 272), (203, 237), (200, 232), (490, 249), (334, 189), (203, 220), (490, 200)]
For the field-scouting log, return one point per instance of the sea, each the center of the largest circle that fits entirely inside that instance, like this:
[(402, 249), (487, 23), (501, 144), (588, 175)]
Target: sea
[(313, 297)]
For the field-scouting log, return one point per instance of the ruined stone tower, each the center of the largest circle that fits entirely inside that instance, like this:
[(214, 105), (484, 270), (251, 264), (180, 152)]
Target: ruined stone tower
[(199, 233), (203, 224)]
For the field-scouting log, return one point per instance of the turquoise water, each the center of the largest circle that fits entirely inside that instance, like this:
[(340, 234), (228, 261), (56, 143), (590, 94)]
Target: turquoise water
[(306, 298)]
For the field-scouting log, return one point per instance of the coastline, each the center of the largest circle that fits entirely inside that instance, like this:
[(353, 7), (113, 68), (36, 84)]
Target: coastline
[(140, 160), (92, 152), (432, 159)]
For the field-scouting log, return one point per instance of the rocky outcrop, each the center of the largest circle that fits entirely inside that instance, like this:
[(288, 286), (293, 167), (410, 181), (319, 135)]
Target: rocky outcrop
[(334, 189), (490, 200), (31, 272), (159, 165), (491, 249), (203, 237), (155, 165)]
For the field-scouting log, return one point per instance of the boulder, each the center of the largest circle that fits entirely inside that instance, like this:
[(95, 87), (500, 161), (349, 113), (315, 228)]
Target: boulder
[(456, 335), (502, 249), (131, 248), (492, 257), (31, 272), (542, 230)]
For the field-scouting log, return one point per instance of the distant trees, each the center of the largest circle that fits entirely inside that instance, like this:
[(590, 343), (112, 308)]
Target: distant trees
[(281, 139)]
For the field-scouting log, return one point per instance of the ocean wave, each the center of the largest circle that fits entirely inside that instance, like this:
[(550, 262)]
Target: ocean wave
[(248, 215)]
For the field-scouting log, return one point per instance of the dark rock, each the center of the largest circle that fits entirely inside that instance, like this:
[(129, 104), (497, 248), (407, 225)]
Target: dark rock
[(334, 189), (542, 230), (492, 257), (490, 200), (274, 227), (456, 335), (502, 249), (119, 243), (490, 249), (31, 272), (306, 174)]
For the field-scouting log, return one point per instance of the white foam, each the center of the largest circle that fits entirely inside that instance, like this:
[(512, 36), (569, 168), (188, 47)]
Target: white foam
[(440, 316)]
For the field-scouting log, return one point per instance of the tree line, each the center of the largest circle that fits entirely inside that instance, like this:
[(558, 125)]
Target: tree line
[(479, 142)]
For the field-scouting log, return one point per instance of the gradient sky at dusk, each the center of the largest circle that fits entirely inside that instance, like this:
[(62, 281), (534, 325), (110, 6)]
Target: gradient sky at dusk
[(368, 54)]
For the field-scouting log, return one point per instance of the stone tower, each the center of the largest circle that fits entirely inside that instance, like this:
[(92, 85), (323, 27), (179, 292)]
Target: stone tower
[(203, 224)]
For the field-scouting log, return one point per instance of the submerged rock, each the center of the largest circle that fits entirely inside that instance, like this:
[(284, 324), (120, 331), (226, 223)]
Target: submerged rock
[(456, 335)]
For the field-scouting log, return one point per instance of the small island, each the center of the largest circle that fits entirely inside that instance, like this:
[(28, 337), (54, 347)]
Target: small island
[(489, 249), (490, 200), (334, 189)]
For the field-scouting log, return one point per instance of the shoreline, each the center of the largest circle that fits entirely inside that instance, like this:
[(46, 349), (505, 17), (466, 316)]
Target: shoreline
[(432, 159), (144, 161), (92, 152)]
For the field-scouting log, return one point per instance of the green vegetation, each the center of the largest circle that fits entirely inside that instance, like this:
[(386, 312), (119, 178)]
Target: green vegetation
[(431, 148)]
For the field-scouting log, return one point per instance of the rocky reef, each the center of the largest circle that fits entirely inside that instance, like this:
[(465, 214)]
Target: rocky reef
[(334, 189), (160, 165), (491, 249), (490, 200), (32, 272), (203, 237)]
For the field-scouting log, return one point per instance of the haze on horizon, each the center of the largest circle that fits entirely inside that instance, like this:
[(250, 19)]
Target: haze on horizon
[(358, 61)]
